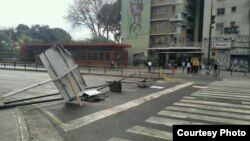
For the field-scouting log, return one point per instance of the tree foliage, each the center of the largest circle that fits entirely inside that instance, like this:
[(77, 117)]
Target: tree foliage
[(109, 17), (98, 16), (12, 38), (4, 42), (60, 35)]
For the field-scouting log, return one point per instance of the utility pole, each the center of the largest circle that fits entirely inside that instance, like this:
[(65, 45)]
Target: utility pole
[(210, 32)]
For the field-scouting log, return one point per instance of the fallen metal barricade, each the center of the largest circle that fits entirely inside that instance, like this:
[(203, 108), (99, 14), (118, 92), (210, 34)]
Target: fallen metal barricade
[(64, 73)]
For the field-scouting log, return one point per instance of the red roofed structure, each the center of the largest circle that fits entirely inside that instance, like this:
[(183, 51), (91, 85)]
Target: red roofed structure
[(85, 54)]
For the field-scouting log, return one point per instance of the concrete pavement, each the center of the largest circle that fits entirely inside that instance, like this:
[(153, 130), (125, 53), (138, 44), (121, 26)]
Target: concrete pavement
[(12, 126)]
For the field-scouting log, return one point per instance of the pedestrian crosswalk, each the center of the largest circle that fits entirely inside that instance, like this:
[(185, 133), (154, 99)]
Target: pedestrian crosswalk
[(222, 102)]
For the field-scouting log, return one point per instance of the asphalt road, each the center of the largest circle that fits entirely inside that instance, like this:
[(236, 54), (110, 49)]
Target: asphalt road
[(136, 114)]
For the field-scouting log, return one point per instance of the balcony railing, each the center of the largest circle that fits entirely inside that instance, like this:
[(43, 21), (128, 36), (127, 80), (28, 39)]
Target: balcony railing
[(166, 2), (186, 44)]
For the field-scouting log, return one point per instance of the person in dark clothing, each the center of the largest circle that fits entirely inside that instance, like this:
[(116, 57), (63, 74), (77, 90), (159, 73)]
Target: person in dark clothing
[(215, 69)]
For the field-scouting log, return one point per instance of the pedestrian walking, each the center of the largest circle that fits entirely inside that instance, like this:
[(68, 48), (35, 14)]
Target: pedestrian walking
[(200, 67), (183, 64), (174, 67), (112, 64), (14, 62), (188, 68), (215, 70), (149, 66)]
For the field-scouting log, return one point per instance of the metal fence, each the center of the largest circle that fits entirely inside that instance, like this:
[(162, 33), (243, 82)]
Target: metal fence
[(141, 72)]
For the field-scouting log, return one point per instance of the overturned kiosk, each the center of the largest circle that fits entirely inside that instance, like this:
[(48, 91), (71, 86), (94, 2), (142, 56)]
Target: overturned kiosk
[(64, 73)]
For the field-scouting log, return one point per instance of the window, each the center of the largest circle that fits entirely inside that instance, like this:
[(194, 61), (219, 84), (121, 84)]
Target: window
[(83, 55), (221, 11), (233, 9), (101, 56), (160, 26), (108, 56), (160, 40), (161, 11), (232, 24), (95, 56), (174, 28), (220, 27)]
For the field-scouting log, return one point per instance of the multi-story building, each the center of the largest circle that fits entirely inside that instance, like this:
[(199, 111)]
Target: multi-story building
[(162, 30), (230, 33)]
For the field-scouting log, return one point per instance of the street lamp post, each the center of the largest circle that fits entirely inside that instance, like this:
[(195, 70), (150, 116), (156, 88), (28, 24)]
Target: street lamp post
[(210, 32)]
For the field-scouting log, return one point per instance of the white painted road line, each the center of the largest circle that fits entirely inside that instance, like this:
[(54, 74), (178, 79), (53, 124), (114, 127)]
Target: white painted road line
[(209, 112), (204, 118), (215, 103), (219, 97), (189, 97), (220, 92), (151, 132), (246, 103), (54, 118), (226, 95), (170, 122), (129, 90), (227, 89), (118, 139), (77, 123), (215, 108)]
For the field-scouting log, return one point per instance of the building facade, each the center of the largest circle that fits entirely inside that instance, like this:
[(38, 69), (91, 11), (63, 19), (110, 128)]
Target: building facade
[(162, 30), (85, 54), (230, 33)]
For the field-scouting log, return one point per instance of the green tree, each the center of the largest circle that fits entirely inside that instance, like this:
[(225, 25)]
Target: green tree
[(4, 42), (97, 39), (109, 18), (83, 13), (60, 35), (43, 33), (22, 29)]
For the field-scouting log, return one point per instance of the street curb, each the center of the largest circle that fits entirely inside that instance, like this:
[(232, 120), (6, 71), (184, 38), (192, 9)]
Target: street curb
[(23, 130)]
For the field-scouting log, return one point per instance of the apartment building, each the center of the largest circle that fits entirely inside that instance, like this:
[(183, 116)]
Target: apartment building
[(230, 33), (162, 30)]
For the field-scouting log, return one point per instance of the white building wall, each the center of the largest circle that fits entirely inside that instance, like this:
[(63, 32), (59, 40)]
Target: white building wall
[(241, 18)]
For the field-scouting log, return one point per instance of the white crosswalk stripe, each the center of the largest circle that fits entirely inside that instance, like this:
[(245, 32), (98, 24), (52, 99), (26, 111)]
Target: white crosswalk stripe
[(227, 89), (204, 118), (170, 122), (189, 97), (226, 95), (244, 102), (118, 139), (216, 104), (151, 132), (209, 112), (224, 92), (215, 108), (220, 97)]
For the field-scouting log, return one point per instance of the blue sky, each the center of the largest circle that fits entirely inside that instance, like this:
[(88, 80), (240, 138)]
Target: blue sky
[(43, 12)]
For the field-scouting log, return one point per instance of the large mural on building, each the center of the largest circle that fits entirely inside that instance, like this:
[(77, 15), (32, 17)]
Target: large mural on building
[(223, 59), (135, 27), (136, 7), (236, 57), (239, 65)]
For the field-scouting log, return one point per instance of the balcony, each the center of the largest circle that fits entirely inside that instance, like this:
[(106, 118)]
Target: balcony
[(180, 45), (179, 18), (156, 3)]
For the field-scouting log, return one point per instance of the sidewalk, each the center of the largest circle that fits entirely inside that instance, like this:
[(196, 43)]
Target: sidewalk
[(12, 126), (222, 73), (28, 125)]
